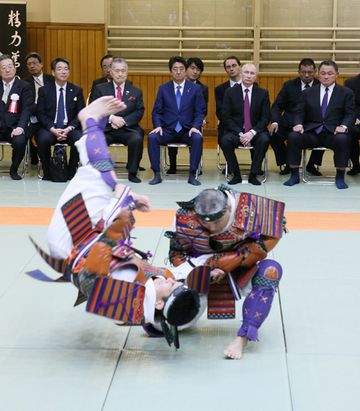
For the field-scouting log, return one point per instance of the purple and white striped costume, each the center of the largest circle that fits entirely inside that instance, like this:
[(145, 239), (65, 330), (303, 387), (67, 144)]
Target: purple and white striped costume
[(96, 184)]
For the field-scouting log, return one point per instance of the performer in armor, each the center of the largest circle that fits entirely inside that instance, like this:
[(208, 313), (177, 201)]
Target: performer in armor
[(230, 235), (89, 242)]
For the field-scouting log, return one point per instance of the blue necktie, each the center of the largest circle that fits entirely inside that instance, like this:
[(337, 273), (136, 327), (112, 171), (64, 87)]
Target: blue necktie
[(178, 126), (61, 110), (324, 105)]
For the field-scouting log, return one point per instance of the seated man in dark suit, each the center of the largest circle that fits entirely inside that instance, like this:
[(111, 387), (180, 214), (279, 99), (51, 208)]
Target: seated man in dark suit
[(246, 114), (354, 84), (15, 110), (57, 109), (37, 78), (323, 117), (105, 64), (177, 116), (233, 69), (195, 67), (282, 115), (123, 128)]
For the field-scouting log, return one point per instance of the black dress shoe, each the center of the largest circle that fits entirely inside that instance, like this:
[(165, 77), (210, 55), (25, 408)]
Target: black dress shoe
[(355, 170), (192, 180), (310, 168), (14, 175), (253, 180), (235, 180), (284, 170), (46, 177), (171, 170), (132, 177), (156, 180)]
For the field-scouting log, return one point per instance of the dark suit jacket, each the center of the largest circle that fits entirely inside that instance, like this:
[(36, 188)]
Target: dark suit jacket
[(30, 79), (22, 116), (46, 105), (219, 97), (284, 106), (340, 110), (192, 108), (354, 84), (133, 99), (205, 90), (101, 80), (233, 109)]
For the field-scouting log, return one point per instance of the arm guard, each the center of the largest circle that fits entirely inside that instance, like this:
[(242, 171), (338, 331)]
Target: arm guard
[(246, 255)]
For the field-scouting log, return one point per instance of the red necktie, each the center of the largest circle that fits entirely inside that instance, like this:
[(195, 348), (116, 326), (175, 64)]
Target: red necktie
[(247, 118), (118, 93)]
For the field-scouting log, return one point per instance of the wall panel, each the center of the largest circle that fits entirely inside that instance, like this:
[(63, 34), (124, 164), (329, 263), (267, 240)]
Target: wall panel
[(82, 44)]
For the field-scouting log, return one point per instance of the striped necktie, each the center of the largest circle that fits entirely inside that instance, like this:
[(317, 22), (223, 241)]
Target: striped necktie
[(6, 92)]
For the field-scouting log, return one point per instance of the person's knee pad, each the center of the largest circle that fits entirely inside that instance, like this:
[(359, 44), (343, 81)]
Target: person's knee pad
[(269, 274), (258, 302)]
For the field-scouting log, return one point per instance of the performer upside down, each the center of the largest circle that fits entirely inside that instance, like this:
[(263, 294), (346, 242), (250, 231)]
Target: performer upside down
[(89, 241)]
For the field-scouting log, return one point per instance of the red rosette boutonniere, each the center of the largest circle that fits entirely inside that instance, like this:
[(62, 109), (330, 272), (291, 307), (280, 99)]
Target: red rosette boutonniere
[(14, 103)]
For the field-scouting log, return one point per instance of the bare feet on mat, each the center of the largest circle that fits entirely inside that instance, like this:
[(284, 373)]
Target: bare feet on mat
[(100, 108), (235, 350)]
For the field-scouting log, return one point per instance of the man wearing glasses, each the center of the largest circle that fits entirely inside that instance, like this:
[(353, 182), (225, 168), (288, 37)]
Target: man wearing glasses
[(282, 115)]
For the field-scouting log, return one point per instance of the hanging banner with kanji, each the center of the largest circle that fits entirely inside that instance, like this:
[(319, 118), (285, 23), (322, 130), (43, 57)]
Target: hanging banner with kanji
[(13, 34)]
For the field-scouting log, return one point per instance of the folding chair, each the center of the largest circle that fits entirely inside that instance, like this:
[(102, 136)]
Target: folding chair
[(219, 164), (246, 174), (310, 179), (118, 163), (25, 162), (165, 162)]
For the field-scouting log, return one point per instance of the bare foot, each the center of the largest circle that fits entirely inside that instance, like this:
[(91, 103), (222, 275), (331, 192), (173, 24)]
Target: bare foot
[(99, 108), (236, 348)]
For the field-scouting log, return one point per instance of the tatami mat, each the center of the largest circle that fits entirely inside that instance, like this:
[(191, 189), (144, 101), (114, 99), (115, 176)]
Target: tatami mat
[(57, 357)]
